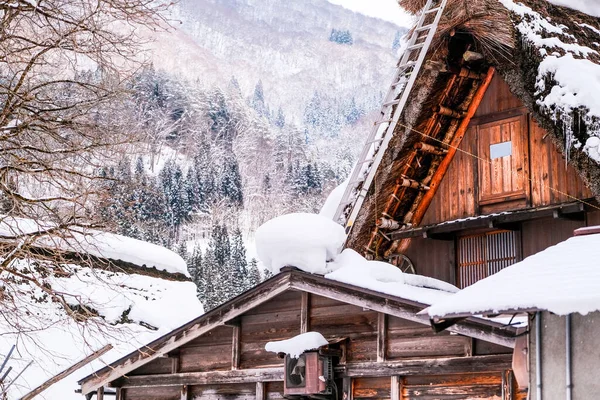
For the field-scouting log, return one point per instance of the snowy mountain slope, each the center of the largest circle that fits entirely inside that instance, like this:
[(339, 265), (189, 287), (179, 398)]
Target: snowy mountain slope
[(284, 44)]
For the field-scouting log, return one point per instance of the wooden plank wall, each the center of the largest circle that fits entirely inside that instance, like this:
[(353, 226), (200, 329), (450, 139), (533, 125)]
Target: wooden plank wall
[(551, 179), (366, 336)]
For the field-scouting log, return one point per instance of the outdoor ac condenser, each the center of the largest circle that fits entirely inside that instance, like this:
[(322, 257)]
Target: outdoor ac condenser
[(308, 375)]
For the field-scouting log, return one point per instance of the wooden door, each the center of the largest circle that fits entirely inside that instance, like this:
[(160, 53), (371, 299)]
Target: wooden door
[(503, 160)]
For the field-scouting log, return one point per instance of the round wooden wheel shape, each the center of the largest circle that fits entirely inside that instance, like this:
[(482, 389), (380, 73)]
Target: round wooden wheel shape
[(403, 262)]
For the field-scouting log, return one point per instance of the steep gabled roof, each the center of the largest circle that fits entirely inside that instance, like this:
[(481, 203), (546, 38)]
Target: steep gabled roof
[(291, 279), (534, 46)]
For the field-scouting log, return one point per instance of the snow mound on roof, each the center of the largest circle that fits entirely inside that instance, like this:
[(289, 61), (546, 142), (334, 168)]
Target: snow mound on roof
[(301, 240), (133, 310), (333, 200), (562, 279), (297, 345), (97, 243), (352, 268)]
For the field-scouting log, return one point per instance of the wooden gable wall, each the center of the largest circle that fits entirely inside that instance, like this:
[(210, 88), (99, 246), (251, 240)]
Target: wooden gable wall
[(367, 337), (473, 182)]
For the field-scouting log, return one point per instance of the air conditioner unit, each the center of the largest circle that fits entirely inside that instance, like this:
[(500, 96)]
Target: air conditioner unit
[(308, 375)]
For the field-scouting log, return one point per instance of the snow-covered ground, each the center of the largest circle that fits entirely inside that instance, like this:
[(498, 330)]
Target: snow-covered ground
[(132, 311)]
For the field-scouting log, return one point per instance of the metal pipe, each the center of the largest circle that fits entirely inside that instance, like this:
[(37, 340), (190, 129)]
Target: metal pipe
[(538, 354), (568, 356)]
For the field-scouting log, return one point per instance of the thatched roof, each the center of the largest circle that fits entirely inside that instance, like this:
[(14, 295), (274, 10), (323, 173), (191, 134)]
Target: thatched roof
[(548, 55)]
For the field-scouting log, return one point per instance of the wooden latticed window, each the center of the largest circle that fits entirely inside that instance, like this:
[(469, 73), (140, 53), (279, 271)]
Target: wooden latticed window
[(479, 256)]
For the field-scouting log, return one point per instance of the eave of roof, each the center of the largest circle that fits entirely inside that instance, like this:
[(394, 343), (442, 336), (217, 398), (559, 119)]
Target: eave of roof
[(291, 280)]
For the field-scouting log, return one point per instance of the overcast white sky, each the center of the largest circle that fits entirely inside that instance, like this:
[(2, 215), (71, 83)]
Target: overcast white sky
[(384, 9)]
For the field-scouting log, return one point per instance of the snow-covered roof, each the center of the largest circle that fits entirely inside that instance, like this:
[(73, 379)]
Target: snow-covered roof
[(93, 242), (131, 311), (313, 243), (562, 279)]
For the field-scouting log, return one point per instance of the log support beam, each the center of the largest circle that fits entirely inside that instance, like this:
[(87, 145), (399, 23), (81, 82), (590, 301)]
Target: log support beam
[(185, 393)]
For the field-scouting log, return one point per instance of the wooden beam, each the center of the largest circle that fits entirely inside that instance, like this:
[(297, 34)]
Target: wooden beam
[(452, 148), (434, 366), (381, 336), (174, 363), (260, 391), (185, 393), (401, 308), (235, 347), (396, 393), (100, 393), (119, 394), (228, 311), (61, 375), (274, 374), (304, 317), (507, 385), (347, 388)]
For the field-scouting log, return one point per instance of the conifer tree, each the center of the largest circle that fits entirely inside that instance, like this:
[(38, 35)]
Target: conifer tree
[(238, 263), (253, 277)]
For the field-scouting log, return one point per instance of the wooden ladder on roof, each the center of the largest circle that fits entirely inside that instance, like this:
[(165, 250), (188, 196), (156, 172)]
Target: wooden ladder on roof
[(378, 140)]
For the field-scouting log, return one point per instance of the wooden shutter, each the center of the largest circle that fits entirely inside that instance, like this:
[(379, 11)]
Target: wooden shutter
[(479, 256), (504, 178)]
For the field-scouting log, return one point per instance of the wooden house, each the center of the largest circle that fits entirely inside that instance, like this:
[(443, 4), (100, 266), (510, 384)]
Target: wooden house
[(385, 349), (477, 176), (480, 173)]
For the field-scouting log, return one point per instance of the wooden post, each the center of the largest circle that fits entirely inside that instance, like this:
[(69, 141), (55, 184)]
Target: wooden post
[(347, 389), (174, 363), (235, 347), (100, 393), (396, 393), (118, 394), (507, 385), (66, 372), (304, 322), (185, 392), (260, 391), (381, 336)]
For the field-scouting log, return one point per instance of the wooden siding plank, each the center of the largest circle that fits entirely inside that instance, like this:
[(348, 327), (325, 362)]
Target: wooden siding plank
[(202, 378), (454, 365)]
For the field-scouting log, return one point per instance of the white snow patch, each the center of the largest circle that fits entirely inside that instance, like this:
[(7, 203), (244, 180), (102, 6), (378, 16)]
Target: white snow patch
[(592, 148), (333, 200), (590, 7), (562, 279), (302, 240), (577, 83), (298, 344), (352, 268)]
